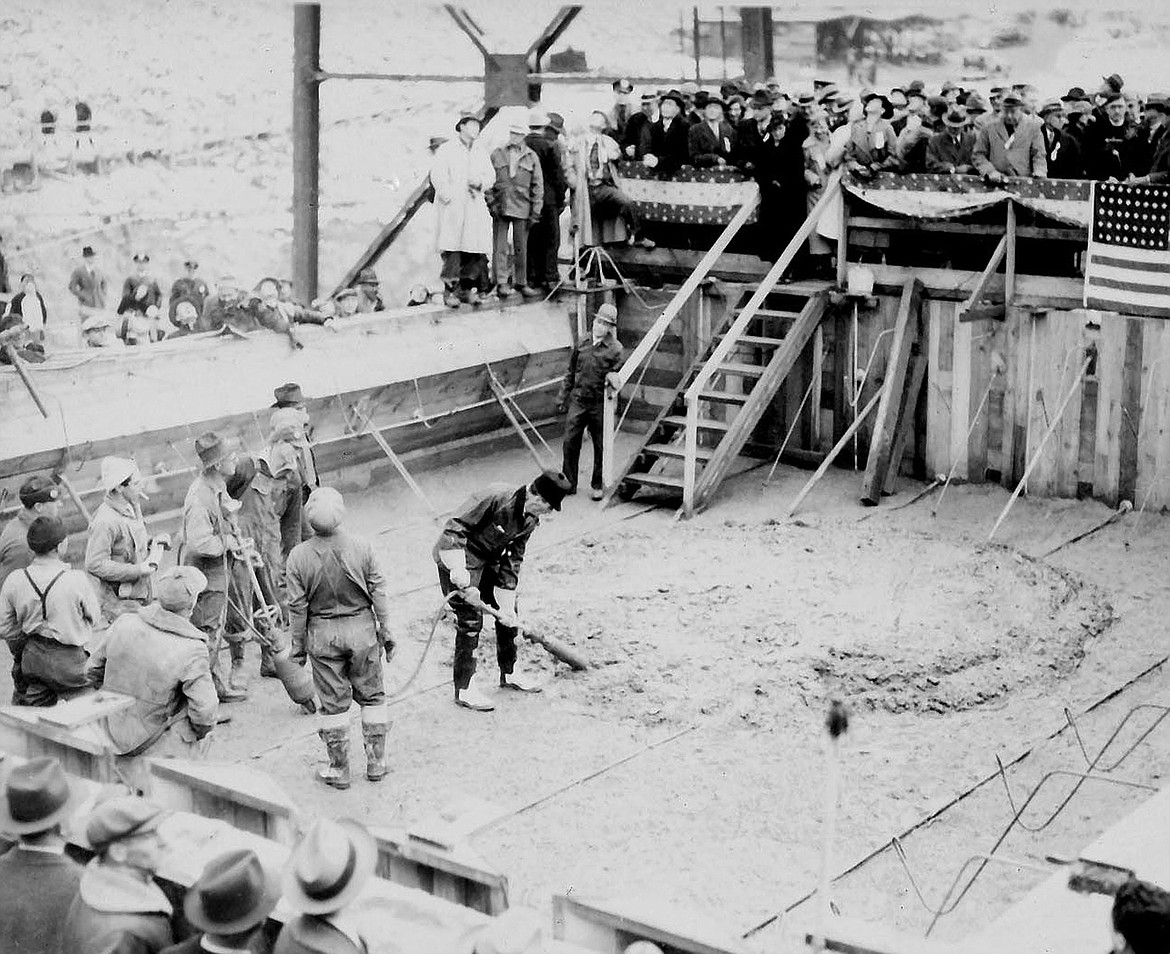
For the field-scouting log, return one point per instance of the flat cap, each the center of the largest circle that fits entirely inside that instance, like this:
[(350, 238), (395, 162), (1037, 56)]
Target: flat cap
[(120, 818), (324, 509), (178, 587), (38, 489)]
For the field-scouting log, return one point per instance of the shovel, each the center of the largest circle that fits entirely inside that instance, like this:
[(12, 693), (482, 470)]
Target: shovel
[(554, 647)]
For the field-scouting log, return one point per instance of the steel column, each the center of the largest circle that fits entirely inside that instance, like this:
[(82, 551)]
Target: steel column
[(306, 146)]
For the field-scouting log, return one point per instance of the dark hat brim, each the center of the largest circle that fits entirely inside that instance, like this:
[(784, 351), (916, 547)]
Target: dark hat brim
[(365, 860), (199, 917), (676, 97), (10, 826)]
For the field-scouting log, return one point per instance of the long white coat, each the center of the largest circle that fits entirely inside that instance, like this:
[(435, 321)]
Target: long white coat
[(464, 222)]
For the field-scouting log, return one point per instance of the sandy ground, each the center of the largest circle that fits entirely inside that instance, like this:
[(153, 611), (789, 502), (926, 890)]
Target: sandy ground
[(716, 643)]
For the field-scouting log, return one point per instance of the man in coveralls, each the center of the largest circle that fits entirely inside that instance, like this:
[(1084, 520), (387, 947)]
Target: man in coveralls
[(481, 551), (593, 367), (340, 618)]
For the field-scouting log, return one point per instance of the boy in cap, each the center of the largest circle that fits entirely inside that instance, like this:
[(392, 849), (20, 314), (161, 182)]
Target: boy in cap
[(51, 610), (38, 881), (341, 620), (118, 551), (593, 367), (160, 659), (188, 288), (515, 200), (229, 904), (212, 543), (118, 905), (324, 874), (481, 552)]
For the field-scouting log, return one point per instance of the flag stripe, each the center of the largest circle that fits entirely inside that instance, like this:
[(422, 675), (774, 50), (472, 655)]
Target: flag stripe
[(1127, 308), (1138, 298), (1150, 256), (1112, 261), (1129, 281), (1127, 268)]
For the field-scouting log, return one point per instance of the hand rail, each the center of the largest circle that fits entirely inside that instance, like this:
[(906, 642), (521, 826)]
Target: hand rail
[(688, 288), (748, 312)]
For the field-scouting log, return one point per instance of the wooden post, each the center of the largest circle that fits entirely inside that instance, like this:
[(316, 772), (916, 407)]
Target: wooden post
[(1009, 280), (843, 241), (306, 146), (690, 455)]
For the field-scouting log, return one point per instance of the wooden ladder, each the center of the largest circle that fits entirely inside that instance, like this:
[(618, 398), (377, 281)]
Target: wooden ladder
[(742, 371)]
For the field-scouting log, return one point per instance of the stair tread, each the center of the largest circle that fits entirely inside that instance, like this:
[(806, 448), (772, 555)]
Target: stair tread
[(680, 419), (677, 450), (757, 340), (724, 397), (739, 367), (656, 480), (771, 313)]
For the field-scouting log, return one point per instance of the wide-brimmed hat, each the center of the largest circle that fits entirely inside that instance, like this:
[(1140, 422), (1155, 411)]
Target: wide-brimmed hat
[(210, 448), (1011, 98), (760, 99), (367, 276), (329, 867), (675, 95), (714, 101), (288, 395), (1158, 101), (537, 118), (518, 127), (955, 118), (974, 103), (1113, 81), (1075, 95), (623, 86), (116, 471), (37, 796), (552, 486), (1050, 106), (467, 118), (234, 893), (887, 106)]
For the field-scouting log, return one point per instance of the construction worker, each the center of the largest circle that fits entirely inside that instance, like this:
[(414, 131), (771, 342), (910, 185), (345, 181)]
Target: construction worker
[(340, 619), (479, 555), (593, 367), (39, 497), (117, 553), (212, 543), (160, 660), (51, 609)]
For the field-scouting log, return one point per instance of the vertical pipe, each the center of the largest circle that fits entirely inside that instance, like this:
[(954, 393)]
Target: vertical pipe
[(306, 146), (695, 33), (723, 41)]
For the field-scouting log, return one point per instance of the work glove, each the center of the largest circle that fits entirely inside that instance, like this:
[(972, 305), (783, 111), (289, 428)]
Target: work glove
[(506, 600), (456, 563)]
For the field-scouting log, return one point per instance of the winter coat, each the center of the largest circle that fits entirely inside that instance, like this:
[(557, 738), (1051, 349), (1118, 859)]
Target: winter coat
[(209, 529), (36, 889), (1160, 163), (160, 659), (117, 544), (945, 155), (307, 934), (670, 146), (194, 290), (16, 307), (518, 195), (1019, 153), (551, 168), (115, 912), (873, 147), (89, 288), (461, 176), (705, 149), (492, 529), (1063, 155), (589, 364)]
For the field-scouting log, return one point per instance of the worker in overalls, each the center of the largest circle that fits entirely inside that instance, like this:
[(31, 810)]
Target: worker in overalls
[(480, 553)]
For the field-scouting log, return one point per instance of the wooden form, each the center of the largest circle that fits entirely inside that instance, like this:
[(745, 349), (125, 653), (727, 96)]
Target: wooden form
[(69, 732), (456, 874), (241, 796), (610, 926), (889, 412)]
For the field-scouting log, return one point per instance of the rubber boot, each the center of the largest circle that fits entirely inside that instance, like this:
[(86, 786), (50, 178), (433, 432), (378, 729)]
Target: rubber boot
[(238, 679), (267, 664), (336, 740), (374, 737)]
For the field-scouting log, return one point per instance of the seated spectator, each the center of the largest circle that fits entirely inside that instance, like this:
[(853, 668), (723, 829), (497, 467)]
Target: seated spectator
[(1141, 918), (1110, 148), (15, 338), (665, 143), (38, 881), (951, 151), (594, 154), (95, 332), (229, 904), (1061, 151), (712, 141), (1158, 111), (51, 610), (1010, 145), (189, 288), (184, 319), (118, 905), (140, 290), (872, 147), (369, 291), (270, 309), (140, 328), (346, 302), (631, 142), (29, 306)]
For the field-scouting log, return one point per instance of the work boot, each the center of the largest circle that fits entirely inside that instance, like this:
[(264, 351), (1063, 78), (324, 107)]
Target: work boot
[(527, 291), (596, 493), (238, 679), (374, 737), (506, 292), (472, 698), (451, 299), (471, 296), (337, 745), (518, 683), (225, 692), (267, 664)]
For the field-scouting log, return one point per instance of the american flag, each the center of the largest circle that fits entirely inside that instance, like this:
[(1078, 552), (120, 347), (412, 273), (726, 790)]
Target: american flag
[(1128, 268)]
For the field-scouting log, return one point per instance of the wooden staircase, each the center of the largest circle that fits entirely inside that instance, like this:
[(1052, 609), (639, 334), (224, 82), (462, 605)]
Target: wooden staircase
[(693, 444)]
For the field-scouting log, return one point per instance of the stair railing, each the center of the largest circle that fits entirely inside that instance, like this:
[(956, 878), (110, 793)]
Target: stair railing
[(731, 337), (653, 336)]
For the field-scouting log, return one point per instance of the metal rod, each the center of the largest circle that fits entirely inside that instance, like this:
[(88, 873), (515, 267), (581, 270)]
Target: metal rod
[(695, 35), (18, 366), (306, 146)]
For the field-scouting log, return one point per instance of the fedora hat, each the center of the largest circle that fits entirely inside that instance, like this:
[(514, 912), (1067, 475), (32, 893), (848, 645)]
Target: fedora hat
[(676, 96), (887, 106), (760, 99), (955, 118), (329, 867), (37, 796), (1075, 94), (210, 449), (234, 893), (288, 395), (552, 486)]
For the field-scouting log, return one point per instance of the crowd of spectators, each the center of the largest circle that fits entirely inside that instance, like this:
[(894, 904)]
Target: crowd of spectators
[(142, 314)]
